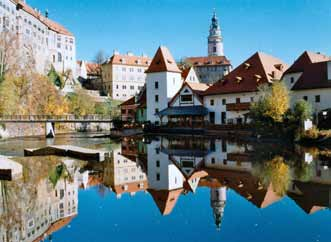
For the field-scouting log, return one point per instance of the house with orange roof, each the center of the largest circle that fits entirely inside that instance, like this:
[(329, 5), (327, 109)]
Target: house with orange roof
[(190, 75), (124, 75), (229, 100), (89, 75), (163, 80), (309, 79)]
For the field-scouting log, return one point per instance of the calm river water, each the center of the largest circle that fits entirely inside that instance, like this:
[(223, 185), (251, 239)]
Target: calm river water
[(168, 189)]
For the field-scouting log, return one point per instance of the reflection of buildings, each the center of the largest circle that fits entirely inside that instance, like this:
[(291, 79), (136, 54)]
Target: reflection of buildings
[(34, 211), (217, 202), (123, 173)]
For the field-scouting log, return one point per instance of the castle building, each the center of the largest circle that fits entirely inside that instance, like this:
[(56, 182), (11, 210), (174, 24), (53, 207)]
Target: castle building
[(37, 35), (124, 75), (215, 66)]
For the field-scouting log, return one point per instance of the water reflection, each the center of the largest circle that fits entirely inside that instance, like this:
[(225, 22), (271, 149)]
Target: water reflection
[(46, 198)]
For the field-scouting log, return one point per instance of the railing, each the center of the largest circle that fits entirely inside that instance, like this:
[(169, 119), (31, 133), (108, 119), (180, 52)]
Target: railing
[(238, 106), (55, 118)]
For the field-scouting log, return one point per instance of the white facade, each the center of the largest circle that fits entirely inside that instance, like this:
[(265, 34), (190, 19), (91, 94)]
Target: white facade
[(124, 75), (192, 76), (185, 98), (161, 87), (217, 104), (319, 99), (49, 42), (162, 173)]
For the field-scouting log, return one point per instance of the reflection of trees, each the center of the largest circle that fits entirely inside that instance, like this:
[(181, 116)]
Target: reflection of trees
[(275, 172)]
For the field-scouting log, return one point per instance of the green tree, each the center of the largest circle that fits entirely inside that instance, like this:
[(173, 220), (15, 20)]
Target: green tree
[(55, 78), (80, 103)]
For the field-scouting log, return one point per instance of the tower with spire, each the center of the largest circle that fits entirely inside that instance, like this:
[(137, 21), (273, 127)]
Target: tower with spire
[(215, 40), (217, 202)]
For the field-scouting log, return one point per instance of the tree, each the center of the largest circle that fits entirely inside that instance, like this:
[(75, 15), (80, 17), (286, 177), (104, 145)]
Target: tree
[(55, 78), (100, 57), (302, 111), (80, 103)]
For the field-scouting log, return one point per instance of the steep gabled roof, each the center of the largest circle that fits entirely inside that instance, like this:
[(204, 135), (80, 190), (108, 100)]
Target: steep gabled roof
[(314, 76), (208, 61), (163, 62), (259, 69), (305, 59), (196, 87), (165, 200)]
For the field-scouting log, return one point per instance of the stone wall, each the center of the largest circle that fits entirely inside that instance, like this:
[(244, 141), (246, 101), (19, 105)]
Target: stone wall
[(12, 130)]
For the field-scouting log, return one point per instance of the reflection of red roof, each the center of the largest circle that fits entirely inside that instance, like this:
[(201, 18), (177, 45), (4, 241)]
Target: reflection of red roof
[(130, 187), (258, 69), (94, 180), (163, 62), (55, 227), (49, 23), (305, 59), (314, 76), (166, 200), (208, 61)]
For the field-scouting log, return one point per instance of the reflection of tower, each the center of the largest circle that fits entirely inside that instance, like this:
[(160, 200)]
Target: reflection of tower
[(217, 202)]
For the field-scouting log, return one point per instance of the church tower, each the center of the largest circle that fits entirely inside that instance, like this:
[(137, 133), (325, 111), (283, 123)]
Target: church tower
[(215, 40), (217, 202)]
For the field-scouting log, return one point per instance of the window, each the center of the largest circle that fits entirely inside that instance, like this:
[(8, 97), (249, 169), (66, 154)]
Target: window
[(59, 57), (123, 87), (131, 87), (223, 101), (186, 98), (156, 98), (157, 176), (211, 102), (305, 98), (292, 80), (156, 110), (213, 160), (238, 100), (157, 163), (214, 49), (317, 98), (156, 85), (252, 99)]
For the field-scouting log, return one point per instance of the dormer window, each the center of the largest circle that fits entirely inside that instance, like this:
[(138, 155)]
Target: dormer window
[(258, 77), (239, 79), (169, 61), (247, 65), (279, 67)]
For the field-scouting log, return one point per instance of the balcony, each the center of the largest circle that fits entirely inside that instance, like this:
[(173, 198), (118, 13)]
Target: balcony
[(238, 106)]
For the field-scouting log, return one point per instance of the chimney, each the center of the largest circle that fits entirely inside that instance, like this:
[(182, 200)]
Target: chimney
[(329, 70), (116, 52), (130, 53), (46, 13)]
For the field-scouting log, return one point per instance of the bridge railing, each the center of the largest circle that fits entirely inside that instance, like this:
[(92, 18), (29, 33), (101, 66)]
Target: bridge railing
[(93, 117)]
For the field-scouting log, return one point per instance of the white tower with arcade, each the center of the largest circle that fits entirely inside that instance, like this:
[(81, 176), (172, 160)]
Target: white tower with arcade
[(215, 40)]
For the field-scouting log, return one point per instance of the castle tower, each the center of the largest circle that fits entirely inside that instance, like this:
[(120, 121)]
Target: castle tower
[(163, 80), (217, 202), (215, 40)]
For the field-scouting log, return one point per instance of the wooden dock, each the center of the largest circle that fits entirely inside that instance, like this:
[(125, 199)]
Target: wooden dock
[(68, 151)]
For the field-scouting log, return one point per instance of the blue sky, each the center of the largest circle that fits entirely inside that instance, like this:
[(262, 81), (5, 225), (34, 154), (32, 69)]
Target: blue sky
[(283, 28)]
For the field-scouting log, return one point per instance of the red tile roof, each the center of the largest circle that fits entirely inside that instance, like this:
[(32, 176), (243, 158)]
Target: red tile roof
[(49, 23), (208, 61), (306, 58), (185, 73), (93, 68), (258, 69), (314, 76), (129, 102), (163, 62), (130, 60)]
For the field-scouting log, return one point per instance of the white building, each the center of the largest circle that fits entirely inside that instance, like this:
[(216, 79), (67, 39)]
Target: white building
[(51, 43), (229, 100), (309, 79), (163, 80), (124, 75)]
